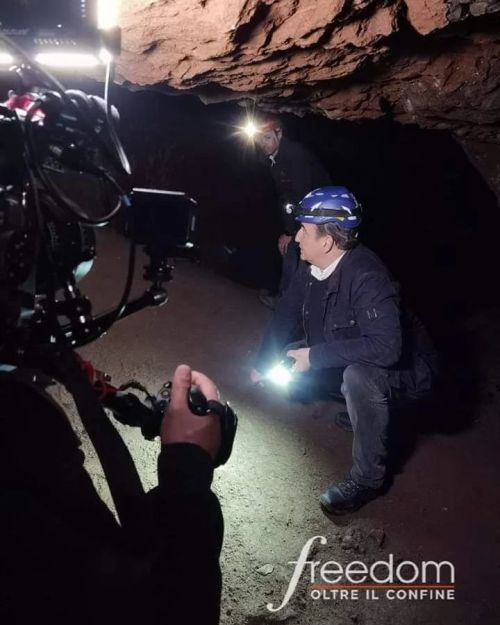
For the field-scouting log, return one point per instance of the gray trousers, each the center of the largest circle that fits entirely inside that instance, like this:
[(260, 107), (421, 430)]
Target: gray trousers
[(370, 400), (368, 396)]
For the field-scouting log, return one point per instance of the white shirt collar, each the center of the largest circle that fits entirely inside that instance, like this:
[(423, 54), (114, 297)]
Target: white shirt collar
[(272, 157), (323, 274)]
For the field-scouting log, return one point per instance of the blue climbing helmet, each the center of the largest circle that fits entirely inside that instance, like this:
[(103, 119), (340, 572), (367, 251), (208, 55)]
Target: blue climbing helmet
[(330, 204)]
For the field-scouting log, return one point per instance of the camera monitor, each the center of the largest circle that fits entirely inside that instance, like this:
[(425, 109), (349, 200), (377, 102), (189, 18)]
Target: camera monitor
[(166, 218)]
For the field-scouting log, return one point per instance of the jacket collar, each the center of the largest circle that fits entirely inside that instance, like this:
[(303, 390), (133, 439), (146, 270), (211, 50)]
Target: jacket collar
[(334, 280)]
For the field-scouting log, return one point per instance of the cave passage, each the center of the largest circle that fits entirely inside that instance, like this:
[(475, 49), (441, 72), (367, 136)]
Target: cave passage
[(427, 211)]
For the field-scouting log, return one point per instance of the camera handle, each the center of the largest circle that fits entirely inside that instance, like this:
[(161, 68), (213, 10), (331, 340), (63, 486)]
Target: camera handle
[(129, 409)]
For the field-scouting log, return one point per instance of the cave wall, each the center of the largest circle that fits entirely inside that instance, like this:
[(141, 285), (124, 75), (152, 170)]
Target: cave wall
[(433, 63)]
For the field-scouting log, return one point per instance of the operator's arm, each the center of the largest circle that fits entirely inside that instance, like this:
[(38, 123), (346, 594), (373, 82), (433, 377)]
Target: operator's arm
[(319, 176), (190, 531), (377, 313), (190, 524), (305, 171), (286, 323), (61, 542)]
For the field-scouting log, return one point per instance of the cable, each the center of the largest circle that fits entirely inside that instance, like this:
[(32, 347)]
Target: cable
[(57, 195), (110, 74), (34, 65), (61, 199), (47, 250), (120, 309)]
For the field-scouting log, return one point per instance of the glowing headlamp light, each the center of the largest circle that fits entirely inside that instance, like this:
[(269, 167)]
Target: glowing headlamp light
[(282, 373), (250, 129)]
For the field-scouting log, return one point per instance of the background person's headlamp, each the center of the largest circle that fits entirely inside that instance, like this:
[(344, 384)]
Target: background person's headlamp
[(252, 128)]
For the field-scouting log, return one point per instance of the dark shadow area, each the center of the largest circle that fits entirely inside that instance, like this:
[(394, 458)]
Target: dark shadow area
[(448, 411)]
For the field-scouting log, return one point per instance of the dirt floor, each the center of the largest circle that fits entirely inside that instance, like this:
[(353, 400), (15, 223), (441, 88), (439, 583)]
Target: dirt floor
[(443, 505)]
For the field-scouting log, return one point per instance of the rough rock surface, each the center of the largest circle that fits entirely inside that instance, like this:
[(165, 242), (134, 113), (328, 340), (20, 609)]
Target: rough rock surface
[(431, 62)]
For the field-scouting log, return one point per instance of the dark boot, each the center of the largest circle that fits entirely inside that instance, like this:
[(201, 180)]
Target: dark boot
[(347, 496)]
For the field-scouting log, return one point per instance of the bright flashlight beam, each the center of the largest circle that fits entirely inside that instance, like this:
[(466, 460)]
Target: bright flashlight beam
[(107, 15), (6, 58), (250, 129), (67, 59), (280, 375)]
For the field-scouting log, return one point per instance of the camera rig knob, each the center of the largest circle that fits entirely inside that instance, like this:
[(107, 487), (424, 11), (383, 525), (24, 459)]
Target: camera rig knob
[(197, 402)]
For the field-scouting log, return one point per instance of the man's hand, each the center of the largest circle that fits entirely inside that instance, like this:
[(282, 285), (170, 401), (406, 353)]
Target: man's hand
[(283, 242), (180, 425), (301, 357), (256, 378)]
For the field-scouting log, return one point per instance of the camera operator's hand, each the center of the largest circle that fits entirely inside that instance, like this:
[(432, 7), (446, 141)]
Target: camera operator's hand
[(179, 424)]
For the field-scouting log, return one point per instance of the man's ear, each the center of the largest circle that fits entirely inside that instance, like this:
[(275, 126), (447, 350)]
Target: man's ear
[(329, 243), (279, 134)]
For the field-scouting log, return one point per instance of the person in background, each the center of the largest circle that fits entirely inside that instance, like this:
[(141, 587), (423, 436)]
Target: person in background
[(295, 171)]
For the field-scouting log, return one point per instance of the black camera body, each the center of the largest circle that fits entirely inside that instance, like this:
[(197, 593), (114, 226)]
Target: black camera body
[(56, 172), (62, 174), (129, 410)]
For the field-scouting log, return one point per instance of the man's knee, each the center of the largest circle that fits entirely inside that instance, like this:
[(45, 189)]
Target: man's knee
[(362, 380)]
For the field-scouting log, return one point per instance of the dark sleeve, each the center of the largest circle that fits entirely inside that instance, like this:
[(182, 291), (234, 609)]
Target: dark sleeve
[(376, 310), (309, 174), (303, 172), (286, 323), (190, 527), (319, 176)]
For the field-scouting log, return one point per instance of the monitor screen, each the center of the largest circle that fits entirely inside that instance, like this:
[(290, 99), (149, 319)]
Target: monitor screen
[(164, 217)]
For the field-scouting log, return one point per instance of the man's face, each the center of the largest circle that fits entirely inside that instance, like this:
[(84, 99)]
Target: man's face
[(312, 245), (268, 142)]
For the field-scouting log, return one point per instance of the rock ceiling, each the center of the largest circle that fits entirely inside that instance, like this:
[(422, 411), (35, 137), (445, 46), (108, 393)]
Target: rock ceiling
[(431, 62)]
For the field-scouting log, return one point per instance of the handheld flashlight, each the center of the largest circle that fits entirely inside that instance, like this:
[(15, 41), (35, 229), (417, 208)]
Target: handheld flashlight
[(282, 373)]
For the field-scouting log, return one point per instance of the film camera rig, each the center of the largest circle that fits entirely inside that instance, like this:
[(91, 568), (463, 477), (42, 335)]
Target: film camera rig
[(63, 173)]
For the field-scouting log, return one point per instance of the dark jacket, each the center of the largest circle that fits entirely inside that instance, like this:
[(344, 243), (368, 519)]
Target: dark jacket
[(364, 322), (296, 172)]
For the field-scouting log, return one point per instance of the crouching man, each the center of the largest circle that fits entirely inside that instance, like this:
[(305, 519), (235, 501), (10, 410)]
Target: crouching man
[(352, 337)]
